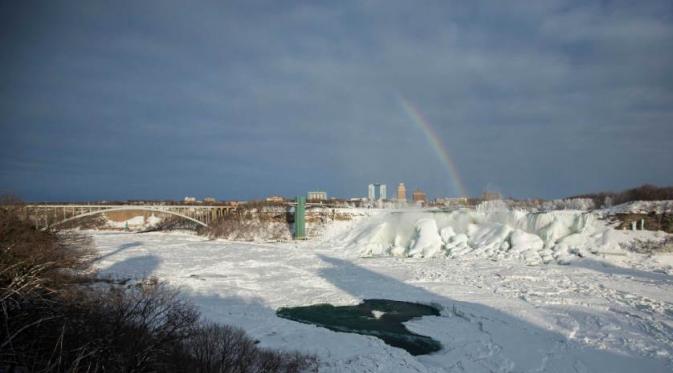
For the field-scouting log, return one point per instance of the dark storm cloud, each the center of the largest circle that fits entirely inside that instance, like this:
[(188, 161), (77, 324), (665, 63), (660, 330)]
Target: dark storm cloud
[(242, 100)]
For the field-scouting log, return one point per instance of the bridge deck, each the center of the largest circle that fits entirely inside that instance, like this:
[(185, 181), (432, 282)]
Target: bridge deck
[(47, 215), (129, 206)]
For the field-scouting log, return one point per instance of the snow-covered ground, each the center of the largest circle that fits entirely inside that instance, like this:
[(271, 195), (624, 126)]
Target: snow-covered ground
[(604, 312), (134, 223)]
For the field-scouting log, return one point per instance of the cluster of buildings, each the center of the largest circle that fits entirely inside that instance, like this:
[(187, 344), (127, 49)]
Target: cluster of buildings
[(189, 200), (315, 196), (377, 196), (378, 192)]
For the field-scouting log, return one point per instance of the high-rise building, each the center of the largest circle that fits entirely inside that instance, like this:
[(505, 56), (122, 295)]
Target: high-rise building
[(376, 192), (418, 196), (401, 193)]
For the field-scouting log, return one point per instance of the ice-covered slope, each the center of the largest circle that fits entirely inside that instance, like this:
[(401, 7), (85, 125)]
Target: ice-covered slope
[(491, 231)]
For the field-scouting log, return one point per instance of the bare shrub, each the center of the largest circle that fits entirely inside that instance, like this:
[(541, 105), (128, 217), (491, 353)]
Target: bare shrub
[(127, 330), (144, 328), (87, 222), (650, 246), (232, 228), (49, 260), (132, 329), (222, 348), (52, 321), (11, 203), (251, 222), (644, 192)]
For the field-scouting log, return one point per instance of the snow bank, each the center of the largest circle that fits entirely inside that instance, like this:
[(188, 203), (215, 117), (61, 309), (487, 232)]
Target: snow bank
[(134, 223), (491, 230), (583, 204)]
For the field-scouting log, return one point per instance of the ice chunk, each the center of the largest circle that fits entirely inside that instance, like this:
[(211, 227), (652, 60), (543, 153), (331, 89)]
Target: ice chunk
[(522, 241), (446, 234), (427, 242)]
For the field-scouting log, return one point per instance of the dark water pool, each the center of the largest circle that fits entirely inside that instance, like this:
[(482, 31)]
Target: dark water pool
[(380, 318)]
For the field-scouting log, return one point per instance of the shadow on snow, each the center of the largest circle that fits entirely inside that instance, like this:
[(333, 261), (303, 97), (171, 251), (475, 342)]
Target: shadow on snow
[(476, 337)]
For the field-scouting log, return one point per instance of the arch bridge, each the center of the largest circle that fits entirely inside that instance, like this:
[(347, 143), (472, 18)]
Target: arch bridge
[(50, 215)]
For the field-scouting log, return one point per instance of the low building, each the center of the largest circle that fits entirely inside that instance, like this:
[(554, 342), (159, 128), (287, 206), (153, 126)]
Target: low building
[(275, 199), (419, 197), (190, 199), (316, 196), (358, 201), (451, 201), (209, 200), (490, 196)]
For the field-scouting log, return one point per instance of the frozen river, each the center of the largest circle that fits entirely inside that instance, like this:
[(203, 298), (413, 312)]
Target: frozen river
[(502, 316)]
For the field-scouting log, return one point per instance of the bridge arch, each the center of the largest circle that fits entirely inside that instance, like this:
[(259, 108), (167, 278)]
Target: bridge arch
[(129, 208)]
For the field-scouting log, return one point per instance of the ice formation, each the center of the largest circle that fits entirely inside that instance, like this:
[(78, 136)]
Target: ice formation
[(492, 230)]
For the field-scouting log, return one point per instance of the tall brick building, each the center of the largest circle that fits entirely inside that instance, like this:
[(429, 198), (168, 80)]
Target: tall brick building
[(401, 192)]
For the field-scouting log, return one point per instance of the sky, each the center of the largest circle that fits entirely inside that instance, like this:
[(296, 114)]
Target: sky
[(242, 100)]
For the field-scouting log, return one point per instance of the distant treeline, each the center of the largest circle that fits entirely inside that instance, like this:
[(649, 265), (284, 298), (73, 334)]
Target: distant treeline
[(645, 192)]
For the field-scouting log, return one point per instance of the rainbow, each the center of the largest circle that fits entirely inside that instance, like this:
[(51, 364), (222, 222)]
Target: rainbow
[(436, 142)]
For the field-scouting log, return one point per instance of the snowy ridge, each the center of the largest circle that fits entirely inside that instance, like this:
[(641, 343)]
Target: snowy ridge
[(492, 231)]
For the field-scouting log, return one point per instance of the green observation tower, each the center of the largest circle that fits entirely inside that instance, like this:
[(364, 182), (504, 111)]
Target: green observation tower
[(299, 219)]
